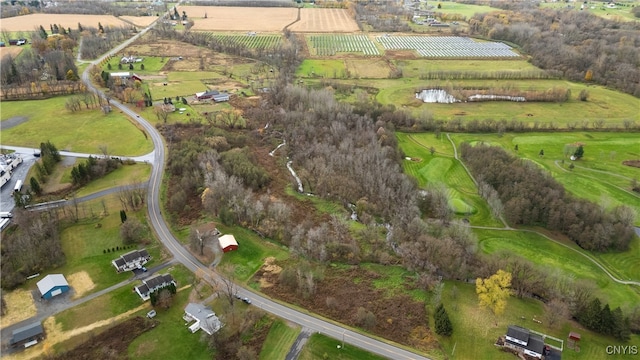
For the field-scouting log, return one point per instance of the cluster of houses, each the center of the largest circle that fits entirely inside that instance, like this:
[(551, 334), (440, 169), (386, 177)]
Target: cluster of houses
[(197, 316)]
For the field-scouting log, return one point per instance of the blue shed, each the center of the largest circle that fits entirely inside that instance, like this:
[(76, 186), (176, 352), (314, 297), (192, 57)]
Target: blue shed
[(52, 285)]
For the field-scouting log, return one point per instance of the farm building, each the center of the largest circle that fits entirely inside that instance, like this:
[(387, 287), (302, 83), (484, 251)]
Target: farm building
[(228, 243), (132, 260), (126, 75), (202, 317), (53, 285), (155, 283), (27, 336), (212, 95)]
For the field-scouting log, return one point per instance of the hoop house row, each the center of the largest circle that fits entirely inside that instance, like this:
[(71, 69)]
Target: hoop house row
[(447, 46), (250, 41), (327, 45)]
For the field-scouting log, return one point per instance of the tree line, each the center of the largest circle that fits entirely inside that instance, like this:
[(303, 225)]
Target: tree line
[(487, 75), (530, 196), (576, 43)]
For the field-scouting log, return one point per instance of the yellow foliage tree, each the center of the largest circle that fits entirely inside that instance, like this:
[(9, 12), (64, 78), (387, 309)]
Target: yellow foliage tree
[(494, 291), (588, 76)]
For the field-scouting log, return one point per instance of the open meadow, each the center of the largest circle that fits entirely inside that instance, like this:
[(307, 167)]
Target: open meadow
[(82, 131)]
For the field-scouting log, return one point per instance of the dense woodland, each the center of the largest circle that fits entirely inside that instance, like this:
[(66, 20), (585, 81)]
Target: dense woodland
[(532, 197), (583, 46)]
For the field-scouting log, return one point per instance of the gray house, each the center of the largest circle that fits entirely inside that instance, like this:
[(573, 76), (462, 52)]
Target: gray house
[(523, 341), (27, 336), (202, 317)]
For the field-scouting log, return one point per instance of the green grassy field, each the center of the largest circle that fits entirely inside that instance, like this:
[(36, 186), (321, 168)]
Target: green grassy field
[(151, 64), (550, 255), (466, 10), (278, 343), (321, 68), (622, 11), (125, 175), (468, 318), (252, 250), (416, 68), (441, 169), (599, 176), (324, 347), (84, 245), (83, 131)]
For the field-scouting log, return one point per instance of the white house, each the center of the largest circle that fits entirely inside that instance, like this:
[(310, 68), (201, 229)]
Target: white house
[(132, 260), (202, 317), (155, 283)]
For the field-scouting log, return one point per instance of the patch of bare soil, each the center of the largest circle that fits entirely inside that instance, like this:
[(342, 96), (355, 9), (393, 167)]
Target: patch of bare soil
[(113, 343), (81, 283), (20, 306), (401, 54), (338, 296), (632, 163)]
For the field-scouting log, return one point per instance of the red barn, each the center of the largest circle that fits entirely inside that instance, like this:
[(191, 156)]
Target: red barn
[(228, 243)]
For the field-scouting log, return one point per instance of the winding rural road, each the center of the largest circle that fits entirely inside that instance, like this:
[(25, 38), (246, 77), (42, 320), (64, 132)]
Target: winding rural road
[(306, 320)]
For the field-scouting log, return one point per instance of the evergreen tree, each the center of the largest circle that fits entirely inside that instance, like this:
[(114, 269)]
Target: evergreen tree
[(35, 186), (80, 29), (43, 32), (443, 323), (123, 216), (579, 152)]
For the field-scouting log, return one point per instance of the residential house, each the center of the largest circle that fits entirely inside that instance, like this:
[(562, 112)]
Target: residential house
[(524, 342), (153, 284), (202, 317), (132, 260), (53, 285), (27, 336), (228, 243)]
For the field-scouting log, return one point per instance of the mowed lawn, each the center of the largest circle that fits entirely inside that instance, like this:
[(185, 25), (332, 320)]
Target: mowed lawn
[(321, 68), (466, 10), (323, 347), (82, 131), (461, 303), (124, 176), (417, 68), (441, 169), (550, 255), (281, 337), (599, 176)]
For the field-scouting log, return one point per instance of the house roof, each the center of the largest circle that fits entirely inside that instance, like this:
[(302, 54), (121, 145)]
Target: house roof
[(50, 281), (535, 344), (134, 255), (121, 74), (207, 92), (142, 289), (209, 322), (518, 332), (119, 262), (227, 240), (158, 280), (26, 332)]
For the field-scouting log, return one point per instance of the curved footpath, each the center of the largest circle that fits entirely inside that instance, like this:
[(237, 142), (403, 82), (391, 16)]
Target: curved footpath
[(306, 320)]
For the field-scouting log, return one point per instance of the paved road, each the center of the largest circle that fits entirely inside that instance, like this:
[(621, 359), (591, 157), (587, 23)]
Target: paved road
[(183, 256)]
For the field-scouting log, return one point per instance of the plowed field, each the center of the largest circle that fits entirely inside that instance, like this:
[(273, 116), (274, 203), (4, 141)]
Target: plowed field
[(325, 20)]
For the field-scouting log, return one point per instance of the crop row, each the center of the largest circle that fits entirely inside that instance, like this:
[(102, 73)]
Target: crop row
[(447, 46), (250, 41), (327, 45)]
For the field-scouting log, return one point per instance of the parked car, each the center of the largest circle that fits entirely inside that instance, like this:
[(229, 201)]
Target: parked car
[(246, 300), (151, 314)]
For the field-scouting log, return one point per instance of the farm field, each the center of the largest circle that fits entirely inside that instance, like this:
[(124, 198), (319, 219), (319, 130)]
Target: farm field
[(447, 46), (13, 50), (223, 18), (250, 41), (83, 131), (599, 176), (622, 11), (466, 10), (325, 20), (329, 45), (32, 21), (416, 68), (142, 21)]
